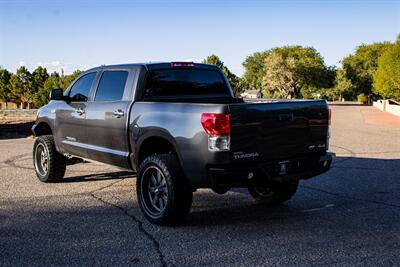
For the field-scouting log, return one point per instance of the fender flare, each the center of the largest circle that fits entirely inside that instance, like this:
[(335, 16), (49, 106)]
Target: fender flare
[(149, 133)]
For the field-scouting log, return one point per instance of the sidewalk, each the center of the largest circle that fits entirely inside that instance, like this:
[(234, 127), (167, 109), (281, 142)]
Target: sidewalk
[(380, 118)]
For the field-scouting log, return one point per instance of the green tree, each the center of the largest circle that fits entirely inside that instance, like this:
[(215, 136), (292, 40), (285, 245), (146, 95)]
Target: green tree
[(279, 80), (55, 80), (254, 70), (344, 87), (66, 80), (232, 78), (361, 66), (39, 77), (5, 86), (293, 69), (42, 96), (387, 76), (21, 87)]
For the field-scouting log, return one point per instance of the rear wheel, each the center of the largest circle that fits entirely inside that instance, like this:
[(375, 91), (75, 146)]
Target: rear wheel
[(164, 195), (273, 193), (49, 165)]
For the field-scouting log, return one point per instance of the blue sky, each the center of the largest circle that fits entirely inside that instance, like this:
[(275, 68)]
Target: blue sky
[(81, 34)]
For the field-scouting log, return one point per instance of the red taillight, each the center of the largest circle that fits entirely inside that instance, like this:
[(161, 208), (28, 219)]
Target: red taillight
[(329, 116), (182, 64), (216, 124)]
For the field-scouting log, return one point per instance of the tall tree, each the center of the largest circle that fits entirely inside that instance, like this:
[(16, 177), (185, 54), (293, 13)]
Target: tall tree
[(42, 96), (387, 76), (232, 78), (344, 88), (39, 76), (279, 80), (5, 86), (21, 86), (291, 69), (254, 70), (55, 80), (66, 80), (361, 66)]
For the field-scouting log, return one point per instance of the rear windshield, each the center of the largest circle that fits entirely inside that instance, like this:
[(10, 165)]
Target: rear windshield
[(184, 82)]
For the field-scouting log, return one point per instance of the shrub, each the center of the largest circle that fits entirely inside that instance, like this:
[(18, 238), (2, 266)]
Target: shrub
[(387, 77), (362, 99)]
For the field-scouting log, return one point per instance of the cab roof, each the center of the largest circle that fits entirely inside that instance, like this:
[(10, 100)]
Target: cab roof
[(156, 65)]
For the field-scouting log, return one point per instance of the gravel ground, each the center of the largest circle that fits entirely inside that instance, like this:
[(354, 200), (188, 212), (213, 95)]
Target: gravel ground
[(348, 216)]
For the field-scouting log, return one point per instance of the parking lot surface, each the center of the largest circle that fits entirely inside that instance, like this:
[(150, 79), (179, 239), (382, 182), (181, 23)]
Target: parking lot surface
[(348, 216)]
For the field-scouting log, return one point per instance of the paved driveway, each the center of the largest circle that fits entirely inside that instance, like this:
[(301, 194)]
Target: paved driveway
[(349, 216)]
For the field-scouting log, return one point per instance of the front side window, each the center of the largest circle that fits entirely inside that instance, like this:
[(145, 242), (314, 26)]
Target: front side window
[(111, 86), (81, 88)]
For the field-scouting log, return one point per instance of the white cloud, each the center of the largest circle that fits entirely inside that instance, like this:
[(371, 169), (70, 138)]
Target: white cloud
[(55, 63), (58, 66)]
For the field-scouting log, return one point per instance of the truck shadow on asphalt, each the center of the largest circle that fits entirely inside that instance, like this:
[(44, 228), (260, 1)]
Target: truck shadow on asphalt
[(244, 213), (15, 130)]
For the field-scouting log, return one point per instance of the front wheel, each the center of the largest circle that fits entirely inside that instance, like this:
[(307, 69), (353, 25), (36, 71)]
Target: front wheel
[(164, 195), (49, 165), (273, 193)]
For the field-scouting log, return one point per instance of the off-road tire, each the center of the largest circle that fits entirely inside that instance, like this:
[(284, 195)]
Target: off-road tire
[(278, 192), (56, 165), (178, 199)]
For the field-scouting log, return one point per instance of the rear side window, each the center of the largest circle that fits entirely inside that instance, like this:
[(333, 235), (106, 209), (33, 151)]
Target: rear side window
[(111, 86), (184, 82), (81, 88)]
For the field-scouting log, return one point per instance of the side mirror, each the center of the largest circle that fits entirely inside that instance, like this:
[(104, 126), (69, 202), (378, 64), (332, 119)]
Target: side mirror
[(56, 94)]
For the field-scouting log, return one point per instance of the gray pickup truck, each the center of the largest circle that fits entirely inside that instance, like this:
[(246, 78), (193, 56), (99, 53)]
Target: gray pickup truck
[(178, 127)]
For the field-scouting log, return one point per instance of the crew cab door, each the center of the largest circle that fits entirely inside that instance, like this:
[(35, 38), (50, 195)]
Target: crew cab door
[(107, 117), (70, 131)]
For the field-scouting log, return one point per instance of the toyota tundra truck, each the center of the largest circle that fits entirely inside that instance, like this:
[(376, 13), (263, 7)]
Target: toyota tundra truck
[(178, 127)]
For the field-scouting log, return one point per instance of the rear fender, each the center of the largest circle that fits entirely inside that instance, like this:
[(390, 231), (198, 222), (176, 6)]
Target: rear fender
[(149, 133)]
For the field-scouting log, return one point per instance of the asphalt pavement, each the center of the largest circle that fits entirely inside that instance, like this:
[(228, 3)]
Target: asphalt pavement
[(349, 216)]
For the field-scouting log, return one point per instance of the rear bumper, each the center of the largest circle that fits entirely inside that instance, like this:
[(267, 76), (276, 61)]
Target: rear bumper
[(295, 169)]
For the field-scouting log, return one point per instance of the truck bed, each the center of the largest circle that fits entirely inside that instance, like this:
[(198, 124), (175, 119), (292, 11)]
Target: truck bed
[(277, 130)]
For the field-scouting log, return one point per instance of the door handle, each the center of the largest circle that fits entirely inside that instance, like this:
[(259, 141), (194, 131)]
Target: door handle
[(118, 113), (80, 111)]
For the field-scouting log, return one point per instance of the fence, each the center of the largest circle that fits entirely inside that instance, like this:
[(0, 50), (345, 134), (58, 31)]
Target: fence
[(8, 105), (389, 106)]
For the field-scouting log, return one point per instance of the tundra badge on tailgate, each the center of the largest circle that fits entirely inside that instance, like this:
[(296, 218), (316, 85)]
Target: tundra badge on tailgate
[(241, 155)]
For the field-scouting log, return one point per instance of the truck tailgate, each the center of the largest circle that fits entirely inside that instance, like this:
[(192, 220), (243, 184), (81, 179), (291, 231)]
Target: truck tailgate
[(278, 130)]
